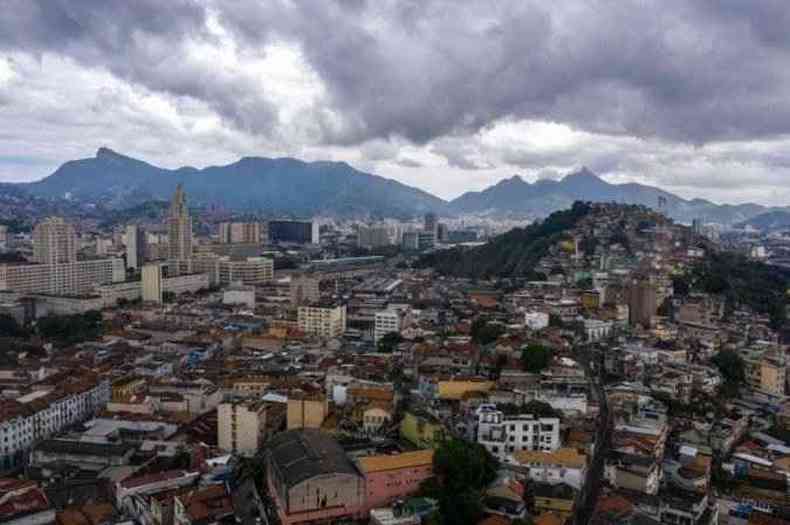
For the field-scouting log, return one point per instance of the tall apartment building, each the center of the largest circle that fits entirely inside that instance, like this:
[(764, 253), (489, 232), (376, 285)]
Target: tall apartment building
[(305, 290), (374, 236), (156, 282), (54, 242), (292, 231), (240, 232), (179, 227), (418, 240), (135, 246), (152, 277), (243, 427), (3, 237), (322, 320), (642, 302), (75, 278), (503, 435), (765, 368), (430, 222)]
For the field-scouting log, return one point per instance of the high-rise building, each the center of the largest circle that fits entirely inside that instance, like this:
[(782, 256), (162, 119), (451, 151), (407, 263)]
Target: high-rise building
[(240, 232), (243, 427), (135, 246), (289, 231), (305, 290), (3, 237), (642, 302), (54, 242), (322, 320), (431, 222), (373, 236), (179, 227), (152, 275), (441, 232)]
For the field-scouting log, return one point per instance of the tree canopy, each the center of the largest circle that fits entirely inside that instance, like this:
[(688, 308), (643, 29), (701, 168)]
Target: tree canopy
[(512, 254), (484, 332), (463, 469), (731, 366), (71, 329), (535, 357)]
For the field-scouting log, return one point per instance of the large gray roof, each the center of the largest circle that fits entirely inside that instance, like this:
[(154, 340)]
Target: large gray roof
[(306, 453)]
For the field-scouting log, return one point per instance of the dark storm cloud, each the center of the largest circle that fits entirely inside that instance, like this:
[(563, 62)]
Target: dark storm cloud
[(683, 71), (678, 70)]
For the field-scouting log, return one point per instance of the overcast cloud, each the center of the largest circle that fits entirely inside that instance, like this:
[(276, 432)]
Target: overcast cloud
[(444, 95)]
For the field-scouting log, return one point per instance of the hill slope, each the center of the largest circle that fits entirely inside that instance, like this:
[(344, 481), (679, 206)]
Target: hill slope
[(512, 254), (770, 221), (282, 185), (516, 196)]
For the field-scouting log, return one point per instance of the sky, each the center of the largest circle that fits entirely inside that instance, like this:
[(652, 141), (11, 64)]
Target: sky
[(444, 95)]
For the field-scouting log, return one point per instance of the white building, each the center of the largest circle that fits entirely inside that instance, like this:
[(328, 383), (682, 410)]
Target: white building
[(390, 320), (239, 294), (536, 320), (42, 414), (243, 427), (595, 329), (74, 278), (503, 435)]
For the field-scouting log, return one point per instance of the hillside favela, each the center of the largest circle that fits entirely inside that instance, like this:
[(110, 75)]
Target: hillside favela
[(394, 263)]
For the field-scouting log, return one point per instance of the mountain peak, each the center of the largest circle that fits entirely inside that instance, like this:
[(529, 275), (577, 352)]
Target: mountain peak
[(106, 153), (515, 179), (584, 174)]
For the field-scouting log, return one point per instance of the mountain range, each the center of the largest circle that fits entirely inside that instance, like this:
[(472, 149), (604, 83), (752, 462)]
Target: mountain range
[(281, 186), (291, 186)]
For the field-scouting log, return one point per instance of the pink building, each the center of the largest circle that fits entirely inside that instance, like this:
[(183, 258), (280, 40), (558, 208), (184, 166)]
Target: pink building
[(392, 477)]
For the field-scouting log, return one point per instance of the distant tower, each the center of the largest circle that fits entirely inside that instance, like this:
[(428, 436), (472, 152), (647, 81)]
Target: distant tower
[(135, 246), (430, 222), (54, 242), (179, 227)]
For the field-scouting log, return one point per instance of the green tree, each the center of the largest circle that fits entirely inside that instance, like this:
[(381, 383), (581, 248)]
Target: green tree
[(389, 342), (535, 357), (462, 470), (71, 329), (731, 366), (483, 332)]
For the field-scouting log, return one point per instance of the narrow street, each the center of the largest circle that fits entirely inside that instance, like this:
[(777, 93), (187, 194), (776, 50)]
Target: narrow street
[(594, 479)]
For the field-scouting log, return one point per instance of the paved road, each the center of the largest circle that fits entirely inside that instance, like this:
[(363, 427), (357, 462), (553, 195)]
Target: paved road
[(593, 481)]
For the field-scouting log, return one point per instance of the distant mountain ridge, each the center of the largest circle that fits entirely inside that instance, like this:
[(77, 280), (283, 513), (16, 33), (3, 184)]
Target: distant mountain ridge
[(539, 199), (294, 187), (282, 185), (772, 221)]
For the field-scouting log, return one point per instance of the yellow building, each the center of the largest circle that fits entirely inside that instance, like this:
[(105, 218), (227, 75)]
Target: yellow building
[(422, 430), (125, 387), (765, 370), (307, 411), (456, 390), (556, 498)]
